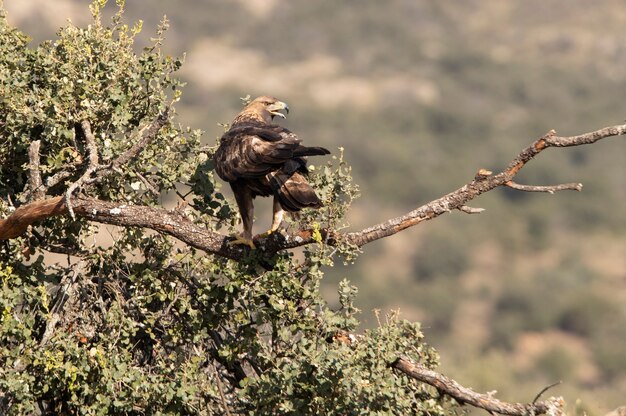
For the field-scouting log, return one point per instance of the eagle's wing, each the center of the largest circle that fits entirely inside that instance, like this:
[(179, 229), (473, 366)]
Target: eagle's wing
[(253, 151)]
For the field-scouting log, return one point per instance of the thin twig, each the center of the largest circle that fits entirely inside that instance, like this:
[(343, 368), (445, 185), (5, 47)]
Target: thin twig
[(545, 389), (149, 185), (470, 210), (545, 188)]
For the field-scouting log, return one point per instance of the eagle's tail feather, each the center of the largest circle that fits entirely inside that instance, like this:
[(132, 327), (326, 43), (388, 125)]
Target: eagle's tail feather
[(310, 151)]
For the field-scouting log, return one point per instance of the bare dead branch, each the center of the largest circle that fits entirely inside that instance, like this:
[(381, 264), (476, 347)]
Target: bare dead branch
[(552, 140), (172, 222), (220, 389), (484, 181), (464, 395), (549, 188)]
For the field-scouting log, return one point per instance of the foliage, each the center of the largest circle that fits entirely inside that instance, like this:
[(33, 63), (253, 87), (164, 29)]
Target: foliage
[(337, 192), (347, 379), (89, 74), (142, 324)]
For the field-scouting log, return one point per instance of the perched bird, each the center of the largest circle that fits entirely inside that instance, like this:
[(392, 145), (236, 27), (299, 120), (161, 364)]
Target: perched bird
[(259, 158)]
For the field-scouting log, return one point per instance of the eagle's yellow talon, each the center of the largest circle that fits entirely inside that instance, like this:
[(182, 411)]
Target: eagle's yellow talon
[(243, 241)]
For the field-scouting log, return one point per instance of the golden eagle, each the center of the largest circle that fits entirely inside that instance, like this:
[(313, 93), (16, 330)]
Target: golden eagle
[(259, 158)]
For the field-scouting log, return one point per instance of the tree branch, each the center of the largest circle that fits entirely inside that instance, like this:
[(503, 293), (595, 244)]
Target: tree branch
[(464, 395), (484, 181), (56, 178), (66, 291), (170, 222), (17, 223), (179, 226)]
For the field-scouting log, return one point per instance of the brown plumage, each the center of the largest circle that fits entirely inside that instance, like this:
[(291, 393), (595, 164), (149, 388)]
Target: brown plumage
[(259, 158)]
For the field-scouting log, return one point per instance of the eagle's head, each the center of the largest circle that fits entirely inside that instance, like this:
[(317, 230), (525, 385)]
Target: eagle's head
[(263, 109)]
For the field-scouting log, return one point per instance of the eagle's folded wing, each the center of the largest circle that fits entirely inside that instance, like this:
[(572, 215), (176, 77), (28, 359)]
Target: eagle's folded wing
[(254, 151)]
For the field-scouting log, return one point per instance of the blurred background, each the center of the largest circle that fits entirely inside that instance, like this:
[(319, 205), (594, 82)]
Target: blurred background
[(421, 94)]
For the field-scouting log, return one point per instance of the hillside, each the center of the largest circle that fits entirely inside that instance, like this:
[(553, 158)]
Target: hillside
[(421, 95)]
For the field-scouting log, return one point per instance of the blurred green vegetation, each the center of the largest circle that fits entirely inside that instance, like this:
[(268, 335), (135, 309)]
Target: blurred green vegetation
[(427, 93)]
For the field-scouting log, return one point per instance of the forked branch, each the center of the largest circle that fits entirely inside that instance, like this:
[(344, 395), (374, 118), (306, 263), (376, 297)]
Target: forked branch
[(484, 181)]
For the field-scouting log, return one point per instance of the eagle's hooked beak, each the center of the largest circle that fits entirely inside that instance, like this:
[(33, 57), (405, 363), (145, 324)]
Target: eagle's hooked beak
[(276, 108)]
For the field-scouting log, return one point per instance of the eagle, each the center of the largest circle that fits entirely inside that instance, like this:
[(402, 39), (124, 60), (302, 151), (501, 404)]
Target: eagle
[(260, 158)]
